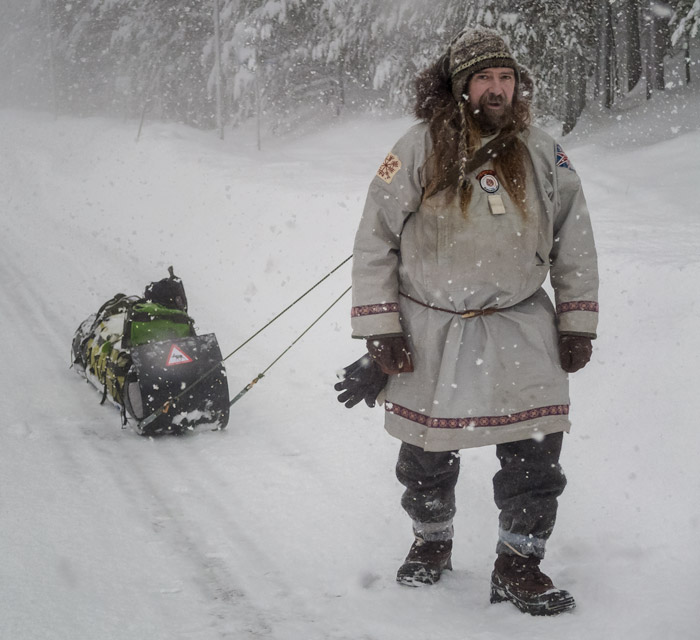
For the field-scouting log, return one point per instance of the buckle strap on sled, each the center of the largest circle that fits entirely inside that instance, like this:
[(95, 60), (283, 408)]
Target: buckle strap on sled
[(467, 314)]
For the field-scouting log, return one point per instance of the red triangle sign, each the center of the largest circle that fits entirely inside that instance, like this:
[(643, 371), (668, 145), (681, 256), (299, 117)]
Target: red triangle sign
[(177, 356)]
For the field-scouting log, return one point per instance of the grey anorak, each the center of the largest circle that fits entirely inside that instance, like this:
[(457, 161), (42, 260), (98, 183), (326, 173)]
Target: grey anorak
[(420, 264)]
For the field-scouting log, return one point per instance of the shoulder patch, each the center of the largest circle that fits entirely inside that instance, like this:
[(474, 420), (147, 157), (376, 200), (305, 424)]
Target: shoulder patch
[(389, 168), (563, 159)]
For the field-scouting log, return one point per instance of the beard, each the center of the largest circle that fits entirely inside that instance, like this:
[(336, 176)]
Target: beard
[(489, 119)]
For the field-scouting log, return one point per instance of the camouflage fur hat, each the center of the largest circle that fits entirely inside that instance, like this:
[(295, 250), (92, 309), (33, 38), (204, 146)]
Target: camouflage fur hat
[(475, 49)]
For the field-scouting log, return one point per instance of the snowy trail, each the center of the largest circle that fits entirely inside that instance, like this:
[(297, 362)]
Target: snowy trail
[(121, 523), (288, 525), (115, 528), (124, 523)]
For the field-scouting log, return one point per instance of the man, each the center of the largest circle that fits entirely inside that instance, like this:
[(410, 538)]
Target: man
[(467, 215)]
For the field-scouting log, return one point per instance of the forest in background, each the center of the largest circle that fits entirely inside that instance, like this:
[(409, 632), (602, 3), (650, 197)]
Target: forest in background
[(214, 64)]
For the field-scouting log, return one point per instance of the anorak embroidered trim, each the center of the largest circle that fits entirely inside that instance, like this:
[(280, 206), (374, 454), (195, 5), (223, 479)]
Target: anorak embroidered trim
[(389, 168), (474, 423), (563, 160), (374, 309), (582, 305)]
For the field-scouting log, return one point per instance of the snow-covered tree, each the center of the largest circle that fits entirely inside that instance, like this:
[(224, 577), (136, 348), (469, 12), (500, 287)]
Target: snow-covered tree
[(285, 60), (555, 41), (685, 23), (159, 59), (685, 20), (26, 53)]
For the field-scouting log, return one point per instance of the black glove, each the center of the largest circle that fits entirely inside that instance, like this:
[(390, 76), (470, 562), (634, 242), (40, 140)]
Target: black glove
[(574, 352), (391, 353), (362, 380)]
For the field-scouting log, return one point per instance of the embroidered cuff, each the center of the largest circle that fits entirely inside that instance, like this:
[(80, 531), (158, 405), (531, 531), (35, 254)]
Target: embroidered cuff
[(375, 320), (578, 317)]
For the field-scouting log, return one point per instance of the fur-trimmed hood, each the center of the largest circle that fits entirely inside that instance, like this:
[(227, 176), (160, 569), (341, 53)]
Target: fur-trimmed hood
[(434, 90)]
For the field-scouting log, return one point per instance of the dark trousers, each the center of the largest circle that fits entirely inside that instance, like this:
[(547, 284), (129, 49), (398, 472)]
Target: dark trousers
[(525, 490)]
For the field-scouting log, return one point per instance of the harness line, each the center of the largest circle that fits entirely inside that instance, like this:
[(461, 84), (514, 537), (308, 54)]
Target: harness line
[(164, 408)]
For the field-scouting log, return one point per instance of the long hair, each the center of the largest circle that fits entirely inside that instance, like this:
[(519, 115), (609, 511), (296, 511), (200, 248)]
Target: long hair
[(456, 136)]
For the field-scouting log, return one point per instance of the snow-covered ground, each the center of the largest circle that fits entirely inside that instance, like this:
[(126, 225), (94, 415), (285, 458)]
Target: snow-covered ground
[(288, 524)]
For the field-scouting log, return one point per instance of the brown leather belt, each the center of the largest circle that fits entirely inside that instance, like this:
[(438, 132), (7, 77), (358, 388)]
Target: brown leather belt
[(469, 313)]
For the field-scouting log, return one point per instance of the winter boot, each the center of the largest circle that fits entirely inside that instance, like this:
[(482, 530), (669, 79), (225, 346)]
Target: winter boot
[(520, 581), (425, 562)]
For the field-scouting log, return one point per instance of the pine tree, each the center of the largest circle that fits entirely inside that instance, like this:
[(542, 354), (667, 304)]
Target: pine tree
[(286, 60), (634, 49), (685, 23), (555, 41), (25, 53)]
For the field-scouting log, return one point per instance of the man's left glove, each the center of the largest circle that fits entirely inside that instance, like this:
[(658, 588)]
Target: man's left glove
[(391, 353), (362, 380), (574, 352)]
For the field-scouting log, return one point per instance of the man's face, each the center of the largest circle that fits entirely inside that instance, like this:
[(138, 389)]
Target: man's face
[(491, 95)]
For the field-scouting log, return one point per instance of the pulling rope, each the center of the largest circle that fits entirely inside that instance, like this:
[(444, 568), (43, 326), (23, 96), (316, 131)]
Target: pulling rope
[(166, 405), (254, 381)]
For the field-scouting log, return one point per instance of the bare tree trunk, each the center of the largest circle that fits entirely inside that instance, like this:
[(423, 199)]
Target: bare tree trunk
[(660, 48), (657, 44), (569, 115), (575, 92), (650, 61), (634, 45), (153, 80), (611, 57), (258, 109), (217, 71), (687, 61), (52, 63), (600, 60), (606, 54), (341, 86)]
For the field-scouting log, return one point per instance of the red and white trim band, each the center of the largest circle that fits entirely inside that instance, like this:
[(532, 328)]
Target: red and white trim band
[(483, 421), (582, 305), (374, 309)]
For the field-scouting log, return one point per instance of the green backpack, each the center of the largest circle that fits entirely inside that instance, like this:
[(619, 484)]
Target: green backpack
[(152, 322)]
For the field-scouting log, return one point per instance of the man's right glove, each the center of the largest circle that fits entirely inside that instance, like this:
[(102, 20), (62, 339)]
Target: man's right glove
[(391, 353), (574, 352), (362, 380)]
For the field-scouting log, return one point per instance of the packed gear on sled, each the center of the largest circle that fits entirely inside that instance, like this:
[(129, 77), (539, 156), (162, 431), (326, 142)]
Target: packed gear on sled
[(143, 354)]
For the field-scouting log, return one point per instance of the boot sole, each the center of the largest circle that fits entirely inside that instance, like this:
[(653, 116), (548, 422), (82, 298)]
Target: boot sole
[(414, 574), (560, 602)]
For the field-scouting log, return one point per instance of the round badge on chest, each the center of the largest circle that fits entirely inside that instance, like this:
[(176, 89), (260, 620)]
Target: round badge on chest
[(488, 181)]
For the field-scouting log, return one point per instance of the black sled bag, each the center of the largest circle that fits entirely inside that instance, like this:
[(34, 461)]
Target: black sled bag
[(174, 385)]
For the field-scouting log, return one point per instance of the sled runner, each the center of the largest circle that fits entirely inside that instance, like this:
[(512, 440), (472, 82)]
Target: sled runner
[(144, 356)]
